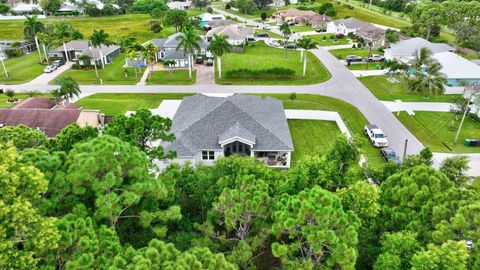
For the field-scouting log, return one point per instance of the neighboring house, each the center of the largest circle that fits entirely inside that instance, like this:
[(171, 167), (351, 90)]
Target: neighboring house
[(305, 17), (281, 3), (75, 48), (235, 35), (472, 92), (23, 47), (180, 5), (167, 50), (458, 70), (24, 8), (43, 114), (404, 50), (372, 34), (289, 15), (349, 25), (216, 23), (206, 17), (208, 128)]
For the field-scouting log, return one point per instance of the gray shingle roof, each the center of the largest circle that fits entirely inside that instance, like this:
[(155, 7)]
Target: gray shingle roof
[(201, 121), (409, 46), (236, 131), (83, 46), (352, 23), (171, 42)]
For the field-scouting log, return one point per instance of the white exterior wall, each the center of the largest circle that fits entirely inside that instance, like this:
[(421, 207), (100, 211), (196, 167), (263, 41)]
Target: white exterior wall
[(199, 159), (331, 27)]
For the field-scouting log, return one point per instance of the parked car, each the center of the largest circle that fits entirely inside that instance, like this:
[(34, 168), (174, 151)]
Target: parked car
[(49, 69), (376, 58), (353, 58), (389, 154), (290, 46), (267, 27), (319, 30), (376, 135), (58, 63), (199, 60), (262, 35), (209, 62), (291, 23)]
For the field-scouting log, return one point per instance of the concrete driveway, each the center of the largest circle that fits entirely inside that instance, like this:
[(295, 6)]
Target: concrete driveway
[(45, 78)]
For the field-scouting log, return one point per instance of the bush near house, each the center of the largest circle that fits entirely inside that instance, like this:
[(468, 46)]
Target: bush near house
[(277, 73)]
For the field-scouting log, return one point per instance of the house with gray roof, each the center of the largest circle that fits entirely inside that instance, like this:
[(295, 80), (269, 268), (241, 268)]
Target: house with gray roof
[(208, 128), (349, 25), (234, 34), (167, 50), (76, 48), (404, 50)]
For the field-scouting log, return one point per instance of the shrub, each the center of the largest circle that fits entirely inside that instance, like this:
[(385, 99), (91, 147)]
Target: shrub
[(92, 10), (227, 6), (108, 10), (155, 27), (210, 10), (67, 13), (340, 36), (9, 93), (83, 67), (261, 74)]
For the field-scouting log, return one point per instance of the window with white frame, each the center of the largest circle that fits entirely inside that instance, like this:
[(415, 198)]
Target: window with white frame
[(208, 155)]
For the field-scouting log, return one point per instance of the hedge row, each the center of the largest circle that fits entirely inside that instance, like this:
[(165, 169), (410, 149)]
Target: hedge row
[(277, 73)]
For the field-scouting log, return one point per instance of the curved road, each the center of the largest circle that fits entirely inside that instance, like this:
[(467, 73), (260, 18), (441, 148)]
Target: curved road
[(343, 85)]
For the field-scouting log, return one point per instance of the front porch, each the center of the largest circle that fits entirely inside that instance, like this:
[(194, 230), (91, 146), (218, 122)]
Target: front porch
[(274, 158)]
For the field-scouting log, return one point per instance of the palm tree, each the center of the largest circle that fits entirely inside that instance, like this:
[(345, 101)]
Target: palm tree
[(421, 58), (98, 39), (68, 89), (169, 64), (285, 29), (306, 44), (133, 54), (151, 53), (219, 46), (189, 43), (45, 40), (430, 82), (63, 31), (31, 28)]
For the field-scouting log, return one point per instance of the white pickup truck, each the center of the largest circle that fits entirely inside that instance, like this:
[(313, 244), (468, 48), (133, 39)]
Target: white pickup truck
[(376, 135)]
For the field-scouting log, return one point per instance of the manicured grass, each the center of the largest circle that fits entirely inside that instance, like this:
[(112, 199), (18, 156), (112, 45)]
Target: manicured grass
[(352, 117), (301, 28), (260, 56), (113, 73), (311, 136), (135, 25), (115, 104), (327, 40), (4, 104), (173, 77), (386, 90), (363, 66), (21, 69), (342, 53), (436, 130)]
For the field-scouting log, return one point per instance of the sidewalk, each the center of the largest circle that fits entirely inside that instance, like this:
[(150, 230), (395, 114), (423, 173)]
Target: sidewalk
[(361, 73), (410, 107)]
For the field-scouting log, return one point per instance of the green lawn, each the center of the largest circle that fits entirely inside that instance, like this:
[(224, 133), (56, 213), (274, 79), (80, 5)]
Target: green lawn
[(327, 40), (270, 33), (21, 69), (342, 53), (4, 104), (436, 130), (135, 25), (113, 73), (115, 104), (301, 28), (311, 136), (352, 117), (386, 90), (173, 77), (363, 66), (260, 56)]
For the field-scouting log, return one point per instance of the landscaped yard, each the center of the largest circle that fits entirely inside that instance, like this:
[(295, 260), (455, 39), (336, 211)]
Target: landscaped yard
[(301, 28), (21, 69), (260, 56), (342, 53), (135, 25), (328, 40), (386, 90), (436, 130), (115, 104), (363, 66), (311, 136), (4, 104), (173, 77), (112, 74), (352, 117)]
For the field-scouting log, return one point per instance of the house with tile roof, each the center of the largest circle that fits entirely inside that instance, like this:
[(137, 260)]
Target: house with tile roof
[(234, 34), (208, 128), (45, 115)]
